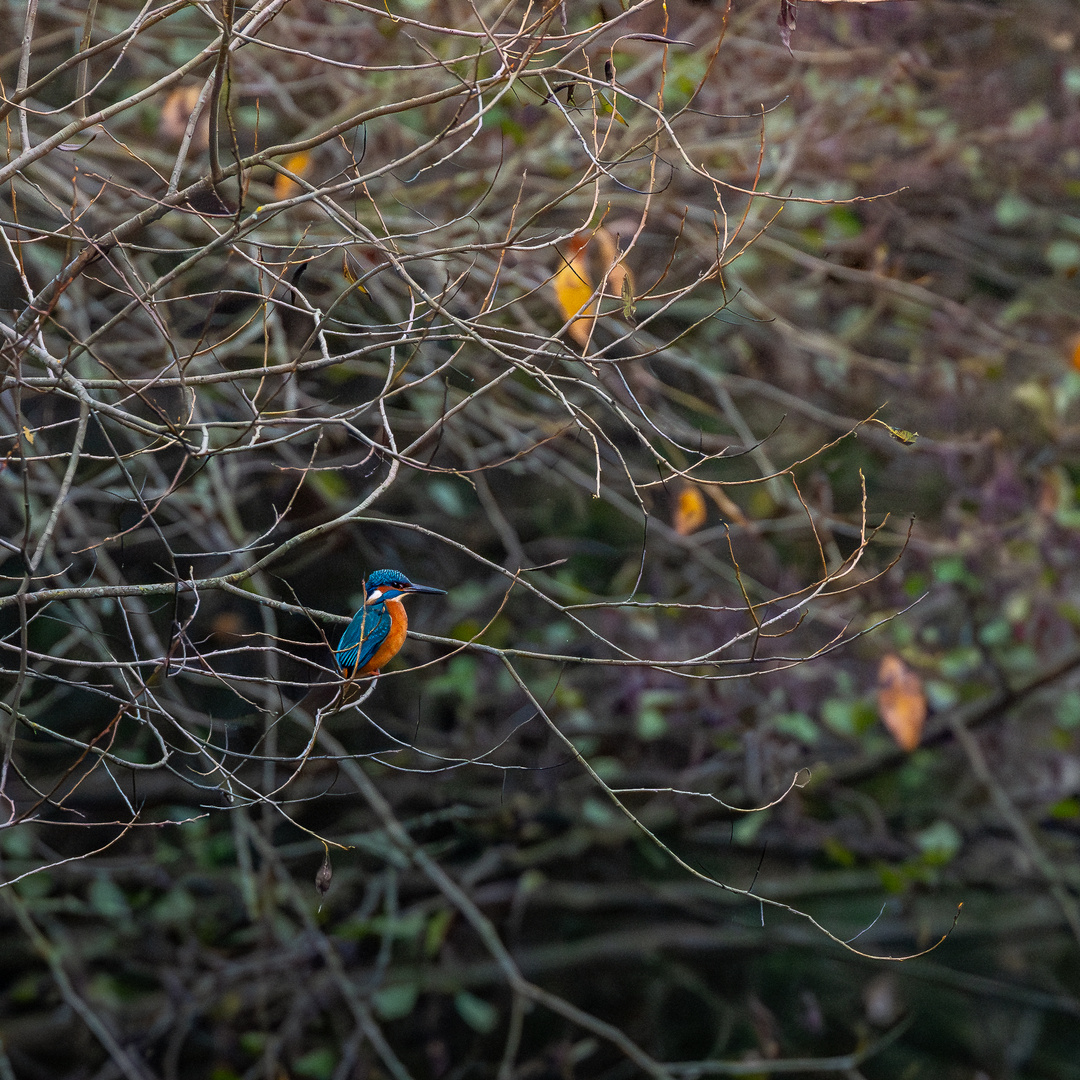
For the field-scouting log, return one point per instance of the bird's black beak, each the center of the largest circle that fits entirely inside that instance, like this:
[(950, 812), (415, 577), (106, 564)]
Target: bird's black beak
[(427, 589)]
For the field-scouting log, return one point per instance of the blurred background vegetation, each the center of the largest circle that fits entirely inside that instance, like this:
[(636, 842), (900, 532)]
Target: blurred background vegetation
[(254, 350)]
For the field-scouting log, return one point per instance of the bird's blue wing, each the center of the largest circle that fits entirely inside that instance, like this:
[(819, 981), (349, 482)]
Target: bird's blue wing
[(362, 637)]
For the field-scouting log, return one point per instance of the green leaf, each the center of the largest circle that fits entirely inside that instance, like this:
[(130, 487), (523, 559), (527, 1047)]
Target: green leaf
[(845, 221), (838, 717), (952, 570), (1021, 658), (448, 497), (748, 826), (940, 842), (848, 718), (798, 725), (400, 927), (960, 662), (996, 633), (598, 813), (1067, 711), (24, 991), (585, 744), (35, 887), (476, 1012), (837, 852), (917, 771), (1028, 117), (651, 724), (17, 842), (1063, 255), (915, 584), (1012, 210), (893, 878), (459, 680), (609, 769), (318, 1064), (437, 928), (107, 898), (331, 485), (253, 1042), (176, 908), (395, 1002), (941, 694)]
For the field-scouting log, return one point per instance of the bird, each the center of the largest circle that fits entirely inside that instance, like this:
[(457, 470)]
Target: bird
[(377, 630)]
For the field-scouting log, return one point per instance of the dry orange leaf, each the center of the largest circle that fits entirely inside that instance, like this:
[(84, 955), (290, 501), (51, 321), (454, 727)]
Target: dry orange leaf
[(901, 701), (690, 511), (1052, 485), (176, 113), (1076, 352), (227, 627), (617, 273), (284, 186)]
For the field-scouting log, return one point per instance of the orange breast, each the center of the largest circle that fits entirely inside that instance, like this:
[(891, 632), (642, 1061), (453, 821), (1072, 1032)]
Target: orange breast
[(399, 623)]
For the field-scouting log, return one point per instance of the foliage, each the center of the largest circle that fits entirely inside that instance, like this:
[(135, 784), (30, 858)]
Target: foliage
[(623, 341)]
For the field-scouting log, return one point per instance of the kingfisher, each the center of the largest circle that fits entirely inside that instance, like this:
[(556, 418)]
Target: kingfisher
[(377, 630)]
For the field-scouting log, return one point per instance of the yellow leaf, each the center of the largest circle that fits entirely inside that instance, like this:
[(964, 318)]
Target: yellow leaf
[(574, 291), (627, 295), (899, 434), (28, 435), (1038, 399), (690, 511), (348, 273), (607, 109), (574, 281), (901, 701), (284, 186)]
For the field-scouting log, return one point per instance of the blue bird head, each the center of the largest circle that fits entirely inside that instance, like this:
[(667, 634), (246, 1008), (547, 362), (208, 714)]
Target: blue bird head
[(383, 585)]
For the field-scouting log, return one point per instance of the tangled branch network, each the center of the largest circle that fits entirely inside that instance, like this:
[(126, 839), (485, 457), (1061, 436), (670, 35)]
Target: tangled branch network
[(288, 299)]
